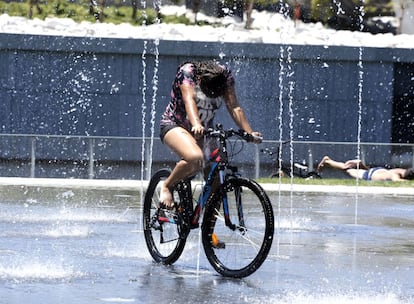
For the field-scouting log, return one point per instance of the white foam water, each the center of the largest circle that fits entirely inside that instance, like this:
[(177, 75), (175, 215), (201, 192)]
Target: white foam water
[(35, 271), (62, 215), (68, 231), (341, 298), (117, 300)]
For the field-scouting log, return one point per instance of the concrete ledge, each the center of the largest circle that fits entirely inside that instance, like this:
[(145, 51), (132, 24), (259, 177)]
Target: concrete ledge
[(137, 185), (179, 48)]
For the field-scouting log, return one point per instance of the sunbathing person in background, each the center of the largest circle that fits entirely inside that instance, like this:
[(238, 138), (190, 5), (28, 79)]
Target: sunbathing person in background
[(356, 169)]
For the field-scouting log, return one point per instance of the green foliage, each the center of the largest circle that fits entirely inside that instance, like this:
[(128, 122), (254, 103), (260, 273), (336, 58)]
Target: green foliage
[(79, 11), (176, 19), (379, 8), (266, 2), (321, 10), (14, 8)]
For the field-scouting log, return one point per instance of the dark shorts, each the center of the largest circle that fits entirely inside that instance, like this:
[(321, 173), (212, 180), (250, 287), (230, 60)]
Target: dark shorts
[(164, 130), (367, 175)]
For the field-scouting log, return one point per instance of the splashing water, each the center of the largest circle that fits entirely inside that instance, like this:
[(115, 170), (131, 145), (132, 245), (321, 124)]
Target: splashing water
[(281, 110), (143, 104), (290, 75), (340, 11), (360, 89), (143, 107), (146, 165), (339, 7), (285, 73), (157, 5), (38, 271), (281, 85)]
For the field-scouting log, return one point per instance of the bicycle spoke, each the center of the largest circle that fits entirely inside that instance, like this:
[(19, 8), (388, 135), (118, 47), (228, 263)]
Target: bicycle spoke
[(237, 240), (247, 245), (161, 231)]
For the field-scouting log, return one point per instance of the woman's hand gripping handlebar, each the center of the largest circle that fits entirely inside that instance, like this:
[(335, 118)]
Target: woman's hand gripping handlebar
[(255, 137)]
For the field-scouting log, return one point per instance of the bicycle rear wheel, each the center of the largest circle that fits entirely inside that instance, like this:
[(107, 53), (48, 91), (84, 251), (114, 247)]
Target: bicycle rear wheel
[(164, 239), (247, 246)]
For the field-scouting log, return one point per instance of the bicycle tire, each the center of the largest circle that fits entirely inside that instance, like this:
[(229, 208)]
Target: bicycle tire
[(162, 251), (247, 247)]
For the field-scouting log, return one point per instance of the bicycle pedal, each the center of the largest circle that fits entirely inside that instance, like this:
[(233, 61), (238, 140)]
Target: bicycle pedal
[(219, 245), (216, 242), (165, 215)]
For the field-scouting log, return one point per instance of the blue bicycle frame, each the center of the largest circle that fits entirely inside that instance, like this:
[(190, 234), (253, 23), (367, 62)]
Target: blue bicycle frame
[(220, 163), (218, 168)]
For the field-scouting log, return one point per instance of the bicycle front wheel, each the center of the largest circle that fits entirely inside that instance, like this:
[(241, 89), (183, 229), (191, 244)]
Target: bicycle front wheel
[(164, 239), (239, 250)]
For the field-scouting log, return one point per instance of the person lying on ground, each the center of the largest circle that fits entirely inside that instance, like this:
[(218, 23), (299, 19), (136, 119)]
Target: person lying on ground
[(357, 169)]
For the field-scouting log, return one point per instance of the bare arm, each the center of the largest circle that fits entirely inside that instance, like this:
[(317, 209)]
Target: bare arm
[(237, 112), (189, 94), (355, 163)]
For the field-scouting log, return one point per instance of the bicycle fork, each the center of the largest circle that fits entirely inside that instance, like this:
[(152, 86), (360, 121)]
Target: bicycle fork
[(237, 192)]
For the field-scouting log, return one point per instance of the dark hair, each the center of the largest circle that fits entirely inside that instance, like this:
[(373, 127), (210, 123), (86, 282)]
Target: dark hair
[(212, 78), (409, 174)]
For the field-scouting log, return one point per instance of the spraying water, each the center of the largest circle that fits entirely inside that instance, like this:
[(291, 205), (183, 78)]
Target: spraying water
[(143, 103), (157, 5), (290, 75), (281, 85), (338, 4), (146, 166), (360, 88), (286, 73), (340, 11)]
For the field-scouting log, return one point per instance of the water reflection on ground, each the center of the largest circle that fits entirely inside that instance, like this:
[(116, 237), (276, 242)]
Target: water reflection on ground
[(75, 246)]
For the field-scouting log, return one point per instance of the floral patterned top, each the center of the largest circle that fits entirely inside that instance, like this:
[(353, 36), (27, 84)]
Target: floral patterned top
[(175, 113)]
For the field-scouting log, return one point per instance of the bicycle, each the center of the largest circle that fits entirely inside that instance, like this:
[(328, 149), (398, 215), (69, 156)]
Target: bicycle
[(295, 170), (238, 222)]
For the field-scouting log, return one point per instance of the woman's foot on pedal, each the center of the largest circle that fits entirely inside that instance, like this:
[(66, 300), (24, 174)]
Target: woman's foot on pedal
[(166, 199)]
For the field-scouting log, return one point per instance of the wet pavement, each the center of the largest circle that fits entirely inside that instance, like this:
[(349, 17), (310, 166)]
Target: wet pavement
[(85, 245)]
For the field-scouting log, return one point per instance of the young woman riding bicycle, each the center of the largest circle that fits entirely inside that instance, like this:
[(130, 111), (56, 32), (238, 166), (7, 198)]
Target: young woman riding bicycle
[(197, 92)]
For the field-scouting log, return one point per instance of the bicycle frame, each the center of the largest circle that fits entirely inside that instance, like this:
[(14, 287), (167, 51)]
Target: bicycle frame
[(220, 164), (236, 239)]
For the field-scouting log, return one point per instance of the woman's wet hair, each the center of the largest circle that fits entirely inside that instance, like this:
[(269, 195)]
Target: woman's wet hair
[(213, 81), (409, 174)]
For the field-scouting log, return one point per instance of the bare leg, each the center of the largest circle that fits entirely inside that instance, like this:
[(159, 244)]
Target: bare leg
[(186, 147), (327, 161), (354, 167), (356, 173)]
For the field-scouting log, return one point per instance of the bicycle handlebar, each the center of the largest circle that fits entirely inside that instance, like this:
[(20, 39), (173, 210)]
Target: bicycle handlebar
[(224, 134)]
